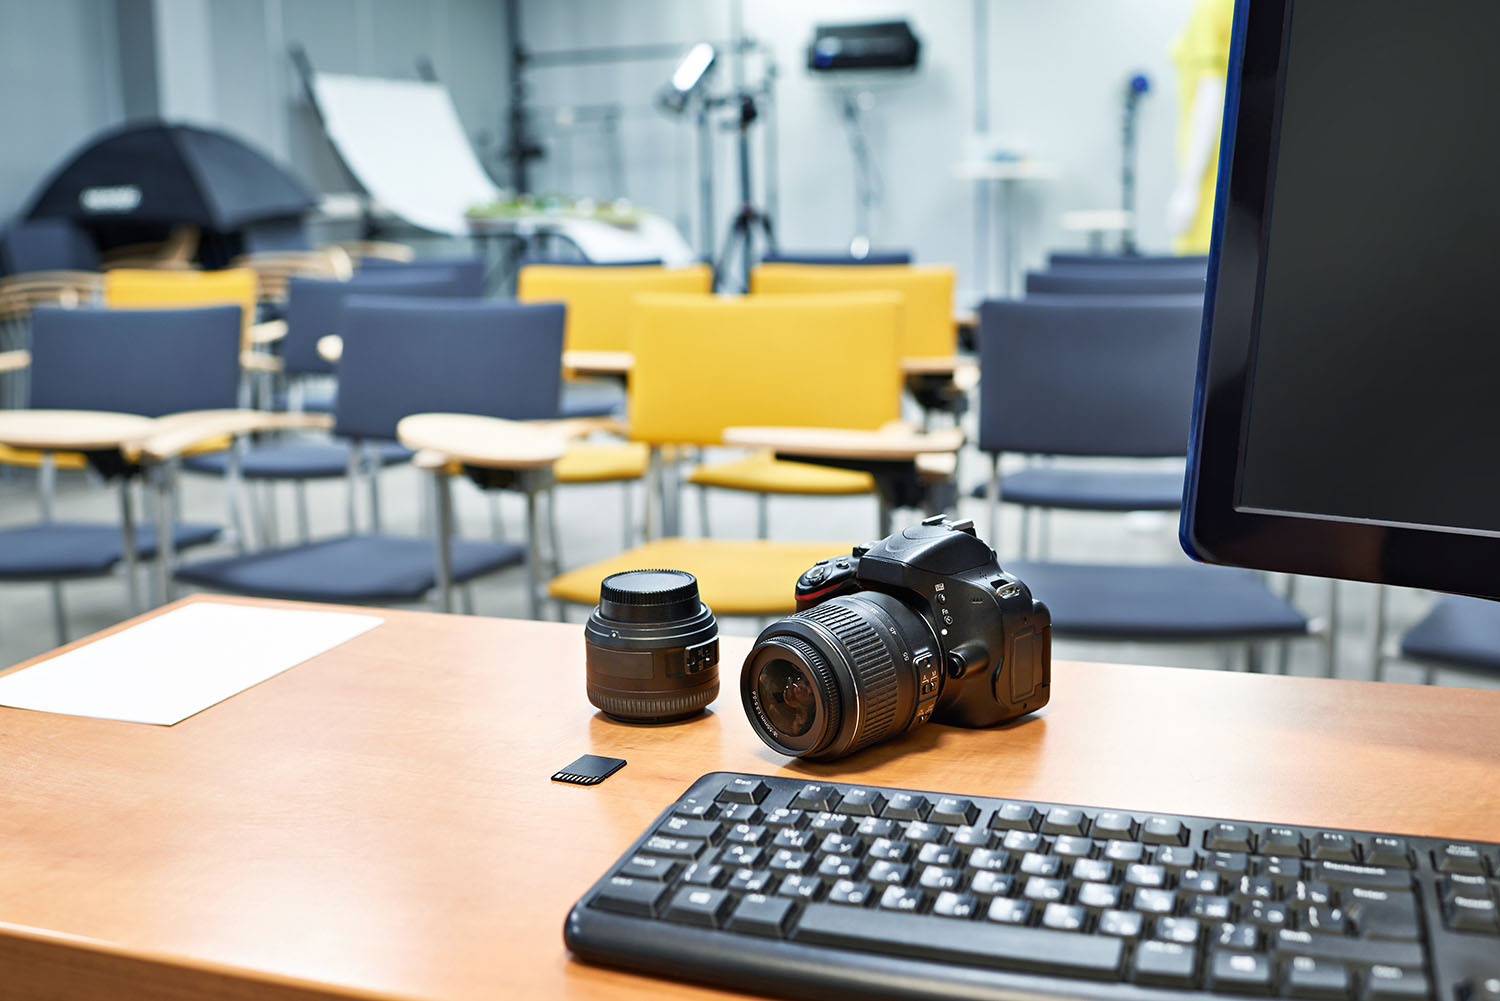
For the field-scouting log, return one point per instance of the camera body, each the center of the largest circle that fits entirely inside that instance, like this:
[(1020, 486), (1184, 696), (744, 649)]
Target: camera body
[(921, 626)]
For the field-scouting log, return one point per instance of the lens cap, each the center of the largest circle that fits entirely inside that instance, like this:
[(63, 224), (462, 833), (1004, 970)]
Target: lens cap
[(649, 596)]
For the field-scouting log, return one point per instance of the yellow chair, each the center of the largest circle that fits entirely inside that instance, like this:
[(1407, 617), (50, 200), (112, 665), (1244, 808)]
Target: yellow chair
[(142, 288), (599, 299), (599, 302), (704, 364), (928, 329)]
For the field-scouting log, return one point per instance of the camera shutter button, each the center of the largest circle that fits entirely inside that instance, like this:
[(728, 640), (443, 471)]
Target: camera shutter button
[(815, 575)]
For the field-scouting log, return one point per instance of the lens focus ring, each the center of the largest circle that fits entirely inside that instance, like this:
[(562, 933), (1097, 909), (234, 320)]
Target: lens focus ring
[(872, 662), (630, 706)]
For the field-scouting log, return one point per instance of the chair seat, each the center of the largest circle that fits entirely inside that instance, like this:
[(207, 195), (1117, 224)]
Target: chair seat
[(316, 399), (734, 577), (763, 473), (1458, 631), (1147, 603), (74, 549), (585, 462), (1091, 490), (293, 460), (364, 569), (591, 398)]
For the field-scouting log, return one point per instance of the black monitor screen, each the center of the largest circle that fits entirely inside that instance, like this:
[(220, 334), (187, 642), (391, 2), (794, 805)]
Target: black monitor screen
[(1375, 391)]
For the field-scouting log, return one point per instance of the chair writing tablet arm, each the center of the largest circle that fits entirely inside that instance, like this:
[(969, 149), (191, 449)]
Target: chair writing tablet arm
[(14, 361), (174, 434), (889, 444)]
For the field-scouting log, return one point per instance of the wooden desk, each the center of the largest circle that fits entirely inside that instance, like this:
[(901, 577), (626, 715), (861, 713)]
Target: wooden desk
[(378, 822)]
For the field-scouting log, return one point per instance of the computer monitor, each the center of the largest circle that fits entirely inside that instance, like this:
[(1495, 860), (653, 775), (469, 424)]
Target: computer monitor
[(1347, 421)]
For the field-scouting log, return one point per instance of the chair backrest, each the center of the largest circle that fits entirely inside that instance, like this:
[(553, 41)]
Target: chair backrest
[(703, 364), (467, 272), (46, 245), (1105, 282), (874, 257), (928, 329), (314, 306), (405, 355), (148, 362), (132, 288), (599, 300), (271, 235), (1100, 377), (1168, 261)]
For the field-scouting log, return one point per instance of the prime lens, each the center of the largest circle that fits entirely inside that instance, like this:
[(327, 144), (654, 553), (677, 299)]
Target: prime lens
[(651, 647), (847, 673)]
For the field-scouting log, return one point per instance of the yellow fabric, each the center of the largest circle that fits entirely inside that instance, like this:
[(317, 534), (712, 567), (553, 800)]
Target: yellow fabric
[(765, 474), (734, 578), (703, 364), (1201, 51), (927, 329), (598, 300), (33, 460), (128, 288), (590, 462)]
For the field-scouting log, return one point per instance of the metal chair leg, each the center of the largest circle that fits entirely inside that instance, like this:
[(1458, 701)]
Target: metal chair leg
[(992, 498), (627, 504), (129, 547), (304, 521), (164, 537), (442, 541), (1377, 630), (553, 538), (703, 526), (351, 478), (1331, 655), (59, 612), (654, 493), (372, 470), (762, 516), (497, 523), (234, 497), (533, 570)]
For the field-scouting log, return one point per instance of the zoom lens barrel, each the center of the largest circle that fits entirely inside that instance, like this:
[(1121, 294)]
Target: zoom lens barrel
[(651, 647), (837, 677)]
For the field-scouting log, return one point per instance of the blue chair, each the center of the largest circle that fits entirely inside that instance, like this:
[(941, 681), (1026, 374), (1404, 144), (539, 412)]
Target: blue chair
[(144, 362), (467, 273), (1167, 261), (1101, 379), (1099, 281), (1148, 342), (314, 309), (874, 257), (1458, 633), (404, 356), (46, 245)]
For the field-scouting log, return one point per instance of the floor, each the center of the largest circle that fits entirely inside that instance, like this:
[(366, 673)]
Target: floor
[(590, 528)]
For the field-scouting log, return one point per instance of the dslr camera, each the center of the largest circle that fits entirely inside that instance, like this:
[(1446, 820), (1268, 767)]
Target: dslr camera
[(922, 625)]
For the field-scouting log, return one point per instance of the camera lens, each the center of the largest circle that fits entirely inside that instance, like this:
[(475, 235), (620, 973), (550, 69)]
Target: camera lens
[(651, 647), (847, 673)]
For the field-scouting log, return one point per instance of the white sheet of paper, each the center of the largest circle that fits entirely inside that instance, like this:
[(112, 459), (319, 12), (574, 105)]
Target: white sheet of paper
[(178, 664)]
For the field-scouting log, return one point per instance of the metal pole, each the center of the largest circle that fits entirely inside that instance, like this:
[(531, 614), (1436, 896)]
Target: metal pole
[(533, 571), (983, 211), (127, 538), (443, 501), (705, 182)]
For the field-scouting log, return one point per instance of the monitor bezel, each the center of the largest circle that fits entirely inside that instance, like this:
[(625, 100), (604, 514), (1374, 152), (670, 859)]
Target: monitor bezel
[(1213, 528)]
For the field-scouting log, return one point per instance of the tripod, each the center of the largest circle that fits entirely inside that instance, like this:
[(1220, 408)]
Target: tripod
[(748, 218)]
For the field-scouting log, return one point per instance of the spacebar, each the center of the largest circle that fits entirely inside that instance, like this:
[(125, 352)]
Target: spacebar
[(974, 943)]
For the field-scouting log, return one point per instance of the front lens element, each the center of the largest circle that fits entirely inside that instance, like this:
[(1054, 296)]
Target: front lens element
[(787, 696)]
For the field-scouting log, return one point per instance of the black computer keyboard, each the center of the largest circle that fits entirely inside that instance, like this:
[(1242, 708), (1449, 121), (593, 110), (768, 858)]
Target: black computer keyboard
[(781, 886)]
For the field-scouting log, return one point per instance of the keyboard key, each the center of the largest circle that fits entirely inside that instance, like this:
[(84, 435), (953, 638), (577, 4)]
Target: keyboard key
[(955, 905), (1267, 915), (623, 895), (1072, 846), (1064, 917), (1123, 924), (742, 856), (1376, 877), (1458, 857), (1328, 920), (702, 874), (1383, 982), (1021, 842), (1317, 979), (1145, 875), (746, 834), (991, 884), (1383, 914), (799, 887), (1099, 896), (1281, 841), (1176, 858), (758, 914), (1008, 912), (875, 827), (921, 832), (1165, 964), (751, 881), (936, 877), (1112, 824), (1239, 973), (1256, 888), (1093, 870), (1153, 901), (973, 836), (1335, 846), (1472, 914), (1183, 931), (816, 797), (989, 860), (1487, 989), (1044, 890), (1226, 837), (952, 810), (683, 848), (838, 867), (696, 808), (646, 867), (1386, 851), (796, 839), (889, 872), (1233, 935), (862, 803), (934, 854), (1030, 950), (906, 806), (1312, 893), (1284, 871), (1343, 949), (694, 905), (1163, 831), (1065, 820), (890, 850), (1040, 865), (784, 817), (1210, 908), (901, 898), (789, 861), (1229, 863), (1124, 851), (686, 827), (742, 813), (743, 790), (847, 891), (1197, 881), (840, 844), (831, 823), (1016, 817)]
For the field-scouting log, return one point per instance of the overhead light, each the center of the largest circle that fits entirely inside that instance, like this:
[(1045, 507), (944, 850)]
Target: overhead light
[(687, 77)]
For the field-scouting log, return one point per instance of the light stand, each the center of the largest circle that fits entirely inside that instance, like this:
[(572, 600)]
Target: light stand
[(747, 218), (866, 175), (1138, 87)]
